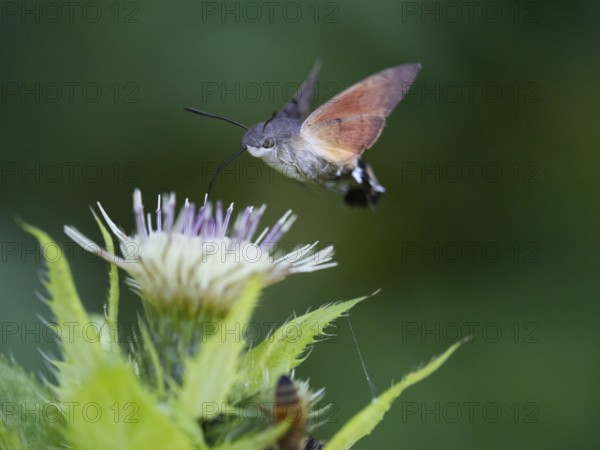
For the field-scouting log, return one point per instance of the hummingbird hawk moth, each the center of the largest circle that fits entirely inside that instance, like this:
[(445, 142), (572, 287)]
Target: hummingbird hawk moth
[(326, 146)]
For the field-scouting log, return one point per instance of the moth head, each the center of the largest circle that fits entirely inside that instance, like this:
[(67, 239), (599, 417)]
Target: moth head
[(260, 140)]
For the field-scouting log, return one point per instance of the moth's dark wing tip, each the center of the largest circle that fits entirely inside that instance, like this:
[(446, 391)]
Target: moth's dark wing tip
[(299, 106), (362, 197)]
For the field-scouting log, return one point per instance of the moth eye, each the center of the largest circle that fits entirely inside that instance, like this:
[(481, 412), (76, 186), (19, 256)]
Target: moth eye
[(268, 143)]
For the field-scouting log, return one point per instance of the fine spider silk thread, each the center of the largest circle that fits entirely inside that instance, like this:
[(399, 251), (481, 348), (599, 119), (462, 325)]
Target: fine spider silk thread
[(362, 362)]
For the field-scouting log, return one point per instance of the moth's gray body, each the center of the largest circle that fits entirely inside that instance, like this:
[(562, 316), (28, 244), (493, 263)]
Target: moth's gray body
[(292, 155)]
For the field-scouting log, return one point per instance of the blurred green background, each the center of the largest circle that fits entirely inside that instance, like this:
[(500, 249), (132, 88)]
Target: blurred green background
[(488, 226)]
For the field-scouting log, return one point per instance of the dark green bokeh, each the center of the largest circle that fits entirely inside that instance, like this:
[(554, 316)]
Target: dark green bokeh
[(501, 129)]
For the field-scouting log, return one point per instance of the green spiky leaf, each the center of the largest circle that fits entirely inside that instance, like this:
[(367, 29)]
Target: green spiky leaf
[(28, 418), (261, 440), (65, 303), (210, 374), (112, 309), (111, 409), (10, 439), (366, 420), (154, 359), (283, 350)]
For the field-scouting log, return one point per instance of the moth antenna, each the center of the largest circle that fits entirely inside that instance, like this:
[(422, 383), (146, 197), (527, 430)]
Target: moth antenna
[(214, 116), (268, 120), (221, 167), (362, 362)]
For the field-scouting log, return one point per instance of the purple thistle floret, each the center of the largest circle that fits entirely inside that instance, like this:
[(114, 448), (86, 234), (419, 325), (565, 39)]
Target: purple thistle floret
[(198, 256)]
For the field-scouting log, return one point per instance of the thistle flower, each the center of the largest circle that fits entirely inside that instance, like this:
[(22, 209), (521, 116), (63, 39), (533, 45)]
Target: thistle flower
[(196, 260)]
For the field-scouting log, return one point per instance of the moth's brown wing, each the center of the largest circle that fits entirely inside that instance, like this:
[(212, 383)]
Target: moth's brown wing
[(352, 121), (341, 140), (299, 106)]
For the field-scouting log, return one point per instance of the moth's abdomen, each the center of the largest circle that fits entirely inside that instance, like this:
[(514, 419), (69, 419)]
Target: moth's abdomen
[(363, 196), (367, 191)]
